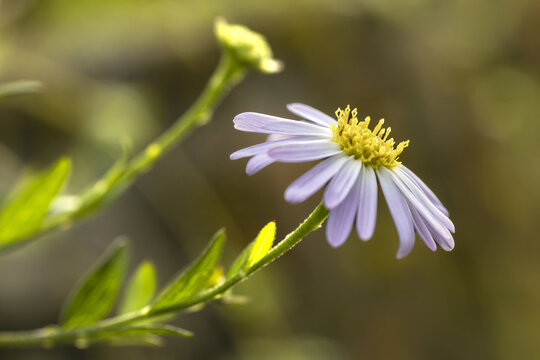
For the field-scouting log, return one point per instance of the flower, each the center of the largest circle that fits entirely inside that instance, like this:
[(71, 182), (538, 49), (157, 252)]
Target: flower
[(353, 158)]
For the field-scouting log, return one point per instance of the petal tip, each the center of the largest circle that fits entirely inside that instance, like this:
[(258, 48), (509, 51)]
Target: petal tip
[(432, 247), (365, 237), (291, 106), (330, 203), (448, 248), (335, 244), (334, 241), (239, 117), (403, 251), (292, 197)]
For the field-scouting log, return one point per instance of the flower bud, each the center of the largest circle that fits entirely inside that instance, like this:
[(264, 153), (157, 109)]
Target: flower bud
[(247, 47)]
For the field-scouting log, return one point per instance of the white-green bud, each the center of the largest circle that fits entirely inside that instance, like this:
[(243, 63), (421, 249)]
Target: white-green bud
[(248, 47)]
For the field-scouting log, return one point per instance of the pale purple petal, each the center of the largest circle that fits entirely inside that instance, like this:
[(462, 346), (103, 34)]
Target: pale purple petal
[(417, 199), (261, 123), (312, 114), (367, 209), (421, 195), (341, 184), (275, 137), (341, 218), (314, 179), (304, 151), (422, 229), (430, 194), (400, 213), (265, 146), (440, 233), (443, 238), (257, 163)]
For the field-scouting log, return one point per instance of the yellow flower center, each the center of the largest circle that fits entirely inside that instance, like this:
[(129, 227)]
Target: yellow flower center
[(373, 148)]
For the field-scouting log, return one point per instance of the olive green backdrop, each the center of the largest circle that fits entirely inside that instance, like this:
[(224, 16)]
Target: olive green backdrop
[(460, 79)]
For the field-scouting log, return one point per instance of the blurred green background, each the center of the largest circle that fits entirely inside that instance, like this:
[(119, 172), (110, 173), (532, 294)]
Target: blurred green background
[(460, 79)]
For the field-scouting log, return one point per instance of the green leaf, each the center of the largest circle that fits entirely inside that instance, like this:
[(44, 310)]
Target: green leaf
[(23, 214), (262, 244), (95, 295), (19, 88), (193, 279), (215, 278), (141, 288), (240, 261), (148, 335), (148, 340), (141, 330)]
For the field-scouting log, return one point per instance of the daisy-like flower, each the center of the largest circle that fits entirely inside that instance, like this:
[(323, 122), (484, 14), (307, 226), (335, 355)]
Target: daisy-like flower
[(353, 158)]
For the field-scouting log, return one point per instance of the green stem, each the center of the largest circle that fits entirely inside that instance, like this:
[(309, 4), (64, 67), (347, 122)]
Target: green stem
[(50, 336), (311, 223), (227, 74)]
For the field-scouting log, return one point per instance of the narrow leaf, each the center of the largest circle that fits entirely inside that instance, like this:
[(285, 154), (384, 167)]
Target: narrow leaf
[(141, 288), (215, 278), (95, 295), (140, 330), (240, 261), (262, 244), (149, 335), (148, 340), (19, 88), (193, 279), (23, 214)]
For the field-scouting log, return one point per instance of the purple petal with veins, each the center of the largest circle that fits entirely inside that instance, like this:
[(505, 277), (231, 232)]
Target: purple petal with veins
[(314, 179), (265, 146), (341, 218), (257, 163), (426, 209), (430, 194), (260, 123), (367, 209), (422, 229), (311, 114), (341, 184), (443, 238), (304, 151), (400, 213), (275, 137)]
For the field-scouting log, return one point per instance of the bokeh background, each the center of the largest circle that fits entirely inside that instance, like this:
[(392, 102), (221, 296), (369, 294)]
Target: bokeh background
[(460, 79)]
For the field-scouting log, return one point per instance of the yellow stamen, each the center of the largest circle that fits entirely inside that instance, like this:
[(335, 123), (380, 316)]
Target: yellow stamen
[(371, 147)]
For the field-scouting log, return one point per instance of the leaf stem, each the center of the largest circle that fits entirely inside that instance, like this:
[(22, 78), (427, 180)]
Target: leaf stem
[(53, 335)]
